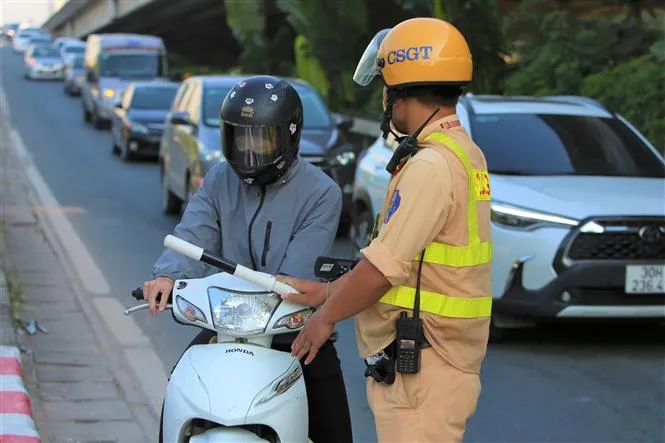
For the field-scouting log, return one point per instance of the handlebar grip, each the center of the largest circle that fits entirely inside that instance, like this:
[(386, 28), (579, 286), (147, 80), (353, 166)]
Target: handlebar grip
[(181, 246), (138, 293)]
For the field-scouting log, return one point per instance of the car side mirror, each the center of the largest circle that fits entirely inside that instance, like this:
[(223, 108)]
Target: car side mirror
[(343, 122), (179, 118)]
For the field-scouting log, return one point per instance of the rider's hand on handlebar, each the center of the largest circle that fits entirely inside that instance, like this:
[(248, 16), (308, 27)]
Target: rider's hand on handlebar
[(152, 289), (312, 293)]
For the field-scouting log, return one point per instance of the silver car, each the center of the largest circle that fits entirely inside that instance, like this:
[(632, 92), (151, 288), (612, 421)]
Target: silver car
[(73, 76), (43, 62)]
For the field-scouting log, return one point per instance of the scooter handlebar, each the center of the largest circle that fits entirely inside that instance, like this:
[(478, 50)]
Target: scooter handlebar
[(265, 281), (185, 248), (138, 293)]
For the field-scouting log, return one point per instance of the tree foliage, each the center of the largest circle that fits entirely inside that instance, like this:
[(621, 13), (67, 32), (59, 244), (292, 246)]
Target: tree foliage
[(267, 43), (636, 89), (615, 53)]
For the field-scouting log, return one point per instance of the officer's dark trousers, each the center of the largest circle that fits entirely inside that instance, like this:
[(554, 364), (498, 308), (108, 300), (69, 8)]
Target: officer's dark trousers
[(329, 418)]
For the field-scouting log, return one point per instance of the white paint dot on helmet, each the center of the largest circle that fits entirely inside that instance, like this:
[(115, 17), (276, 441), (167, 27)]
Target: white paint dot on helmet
[(274, 97), (249, 100)]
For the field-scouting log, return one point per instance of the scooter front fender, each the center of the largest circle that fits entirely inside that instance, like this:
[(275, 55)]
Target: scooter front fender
[(227, 383)]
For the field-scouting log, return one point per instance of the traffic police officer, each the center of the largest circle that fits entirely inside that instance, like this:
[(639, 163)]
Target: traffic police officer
[(432, 239)]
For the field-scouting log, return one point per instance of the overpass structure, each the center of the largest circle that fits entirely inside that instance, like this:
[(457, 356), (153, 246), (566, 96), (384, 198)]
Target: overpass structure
[(194, 29)]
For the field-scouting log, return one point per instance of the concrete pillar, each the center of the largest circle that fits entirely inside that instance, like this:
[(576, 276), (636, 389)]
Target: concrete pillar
[(112, 10)]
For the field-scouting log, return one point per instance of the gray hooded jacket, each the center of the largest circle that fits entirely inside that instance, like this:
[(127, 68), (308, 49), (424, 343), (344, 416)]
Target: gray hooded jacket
[(287, 225)]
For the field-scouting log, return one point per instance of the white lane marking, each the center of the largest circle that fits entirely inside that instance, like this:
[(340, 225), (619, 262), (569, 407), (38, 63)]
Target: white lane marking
[(89, 273), (148, 369), (144, 362)]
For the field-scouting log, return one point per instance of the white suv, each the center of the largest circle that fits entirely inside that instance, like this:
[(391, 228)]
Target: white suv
[(578, 208)]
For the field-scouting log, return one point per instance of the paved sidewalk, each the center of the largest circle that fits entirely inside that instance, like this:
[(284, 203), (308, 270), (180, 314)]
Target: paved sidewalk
[(70, 375)]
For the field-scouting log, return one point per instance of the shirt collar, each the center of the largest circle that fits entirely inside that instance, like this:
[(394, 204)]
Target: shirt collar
[(440, 125)]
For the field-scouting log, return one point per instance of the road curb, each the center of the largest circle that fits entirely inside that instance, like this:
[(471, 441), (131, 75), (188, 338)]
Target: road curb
[(17, 424), (146, 408)]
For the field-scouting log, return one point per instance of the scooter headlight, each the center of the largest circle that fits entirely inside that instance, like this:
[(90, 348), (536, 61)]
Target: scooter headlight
[(241, 314)]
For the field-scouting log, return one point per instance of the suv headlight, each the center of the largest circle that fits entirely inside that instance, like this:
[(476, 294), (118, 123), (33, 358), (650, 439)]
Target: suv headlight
[(517, 217), (138, 128), (341, 155), (241, 314)]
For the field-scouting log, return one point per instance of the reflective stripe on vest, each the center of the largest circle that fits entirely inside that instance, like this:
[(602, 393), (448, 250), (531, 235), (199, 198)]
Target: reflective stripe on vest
[(475, 253)]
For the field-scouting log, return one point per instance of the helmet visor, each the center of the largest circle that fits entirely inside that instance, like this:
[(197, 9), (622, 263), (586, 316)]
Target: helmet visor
[(251, 148), (368, 66)]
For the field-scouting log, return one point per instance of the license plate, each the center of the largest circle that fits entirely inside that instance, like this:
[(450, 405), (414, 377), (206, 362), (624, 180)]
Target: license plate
[(645, 279)]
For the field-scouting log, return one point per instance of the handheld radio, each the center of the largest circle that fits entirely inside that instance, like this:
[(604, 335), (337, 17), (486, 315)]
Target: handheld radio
[(410, 334)]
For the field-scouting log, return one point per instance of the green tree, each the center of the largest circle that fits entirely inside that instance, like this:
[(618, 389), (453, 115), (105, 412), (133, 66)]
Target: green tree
[(266, 39), (556, 51), (635, 88), (331, 31)]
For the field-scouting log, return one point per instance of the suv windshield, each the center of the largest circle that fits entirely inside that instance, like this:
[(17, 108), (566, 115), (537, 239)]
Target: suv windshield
[(530, 144), (43, 51), (315, 112), (212, 102), (153, 97), (130, 65)]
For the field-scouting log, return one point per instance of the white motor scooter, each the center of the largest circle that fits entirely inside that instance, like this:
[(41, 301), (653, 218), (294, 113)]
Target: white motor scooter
[(235, 389)]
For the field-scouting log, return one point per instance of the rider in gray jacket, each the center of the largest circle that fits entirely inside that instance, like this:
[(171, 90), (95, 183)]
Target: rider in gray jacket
[(269, 210)]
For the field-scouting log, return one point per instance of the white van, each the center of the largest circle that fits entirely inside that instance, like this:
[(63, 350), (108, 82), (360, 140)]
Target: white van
[(111, 62)]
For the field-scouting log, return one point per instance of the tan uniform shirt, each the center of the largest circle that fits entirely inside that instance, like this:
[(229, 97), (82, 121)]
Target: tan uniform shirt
[(432, 195)]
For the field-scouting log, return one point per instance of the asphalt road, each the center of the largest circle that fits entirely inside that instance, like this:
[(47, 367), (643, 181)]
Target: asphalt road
[(585, 383)]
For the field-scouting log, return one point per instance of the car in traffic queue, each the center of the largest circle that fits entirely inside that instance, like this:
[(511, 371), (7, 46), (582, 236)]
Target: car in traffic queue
[(60, 41), (43, 63), (191, 143), (10, 29), (30, 37), (577, 209), (111, 62), (73, 75), (70, 48), (138, 122)]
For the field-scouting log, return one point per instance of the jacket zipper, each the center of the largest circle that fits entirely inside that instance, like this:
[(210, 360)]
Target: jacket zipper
[(266, 244), (251, 225)]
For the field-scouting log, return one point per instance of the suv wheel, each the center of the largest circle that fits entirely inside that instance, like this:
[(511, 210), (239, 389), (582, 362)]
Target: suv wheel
[(361, 227), (96, 121)]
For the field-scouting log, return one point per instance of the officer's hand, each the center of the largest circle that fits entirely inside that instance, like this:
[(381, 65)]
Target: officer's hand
[(311, 293), (314, 334), (153, 288)]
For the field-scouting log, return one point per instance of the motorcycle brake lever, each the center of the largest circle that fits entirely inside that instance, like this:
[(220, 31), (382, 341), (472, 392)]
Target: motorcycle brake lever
[(142, 307)]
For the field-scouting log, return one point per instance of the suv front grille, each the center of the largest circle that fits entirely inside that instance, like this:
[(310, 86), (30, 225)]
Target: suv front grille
[(635, 239)]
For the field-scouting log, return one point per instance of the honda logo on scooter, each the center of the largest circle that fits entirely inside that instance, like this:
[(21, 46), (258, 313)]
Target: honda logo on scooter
[(244, 351)]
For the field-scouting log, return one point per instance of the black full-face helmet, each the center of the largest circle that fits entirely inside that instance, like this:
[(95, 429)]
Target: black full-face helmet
[(261, 122)]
